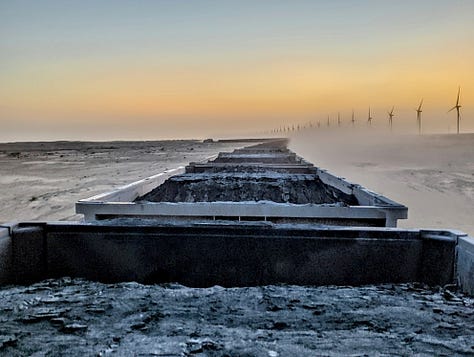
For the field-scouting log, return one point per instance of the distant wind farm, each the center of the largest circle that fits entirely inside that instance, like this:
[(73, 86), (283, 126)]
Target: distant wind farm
[(338, 121)]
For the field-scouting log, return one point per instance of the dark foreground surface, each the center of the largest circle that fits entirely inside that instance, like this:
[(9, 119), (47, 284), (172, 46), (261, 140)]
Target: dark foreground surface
[(77, 317)]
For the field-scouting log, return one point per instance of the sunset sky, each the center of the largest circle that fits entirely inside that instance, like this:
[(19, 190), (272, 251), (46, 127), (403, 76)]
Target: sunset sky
[(103, 70)]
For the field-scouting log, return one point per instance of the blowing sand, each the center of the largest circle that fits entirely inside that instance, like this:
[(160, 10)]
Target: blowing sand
[(433, 175)]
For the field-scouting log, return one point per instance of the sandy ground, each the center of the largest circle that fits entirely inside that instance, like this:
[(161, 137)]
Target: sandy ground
[(433, 175), (42, 181)]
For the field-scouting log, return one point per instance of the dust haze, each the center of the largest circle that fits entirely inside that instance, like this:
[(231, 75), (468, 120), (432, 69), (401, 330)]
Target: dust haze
[(433, 175)]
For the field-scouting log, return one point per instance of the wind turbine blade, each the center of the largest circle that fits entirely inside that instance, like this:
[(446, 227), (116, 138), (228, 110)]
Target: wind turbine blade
[(459, 92), (452, 109), (421, 103)]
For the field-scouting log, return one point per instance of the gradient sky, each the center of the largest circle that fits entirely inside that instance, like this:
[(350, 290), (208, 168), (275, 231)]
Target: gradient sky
[(100, 70)]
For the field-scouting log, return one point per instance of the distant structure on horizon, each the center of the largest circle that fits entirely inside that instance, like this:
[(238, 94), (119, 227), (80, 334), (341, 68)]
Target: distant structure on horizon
[(457, 107), (390, 118), (310, 125), (418, 116)]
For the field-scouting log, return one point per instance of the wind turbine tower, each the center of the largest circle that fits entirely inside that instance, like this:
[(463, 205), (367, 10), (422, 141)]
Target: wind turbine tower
[(418, 116), (328, 124), (457, 107), (338, 119), (390, 118), (353, 118), (369, 119)]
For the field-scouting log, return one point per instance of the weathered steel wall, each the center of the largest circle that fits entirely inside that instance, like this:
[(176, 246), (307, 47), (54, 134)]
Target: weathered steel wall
[(228, 255), (5, 255), (465, 263)]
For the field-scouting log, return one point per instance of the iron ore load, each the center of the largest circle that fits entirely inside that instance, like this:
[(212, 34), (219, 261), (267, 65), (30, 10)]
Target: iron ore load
[(262, 182)]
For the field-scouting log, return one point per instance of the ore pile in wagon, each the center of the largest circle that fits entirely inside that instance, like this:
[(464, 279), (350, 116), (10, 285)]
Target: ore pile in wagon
[(266, 172)]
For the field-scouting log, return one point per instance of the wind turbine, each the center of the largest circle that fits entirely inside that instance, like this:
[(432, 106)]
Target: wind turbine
[(328, 124), (390, 118), (353, 118), (418, 116), (369, 119), (457, 107), (338, 119)]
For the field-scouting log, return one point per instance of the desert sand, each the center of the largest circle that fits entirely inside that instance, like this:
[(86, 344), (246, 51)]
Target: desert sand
[(42, 181), (433, 175)]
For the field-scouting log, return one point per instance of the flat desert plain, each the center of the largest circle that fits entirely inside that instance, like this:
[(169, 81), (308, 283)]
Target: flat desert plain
[(433, 175), (43, 180)]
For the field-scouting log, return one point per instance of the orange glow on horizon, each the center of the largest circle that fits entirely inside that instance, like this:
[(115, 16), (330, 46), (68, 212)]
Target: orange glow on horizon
[(300, 88)]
